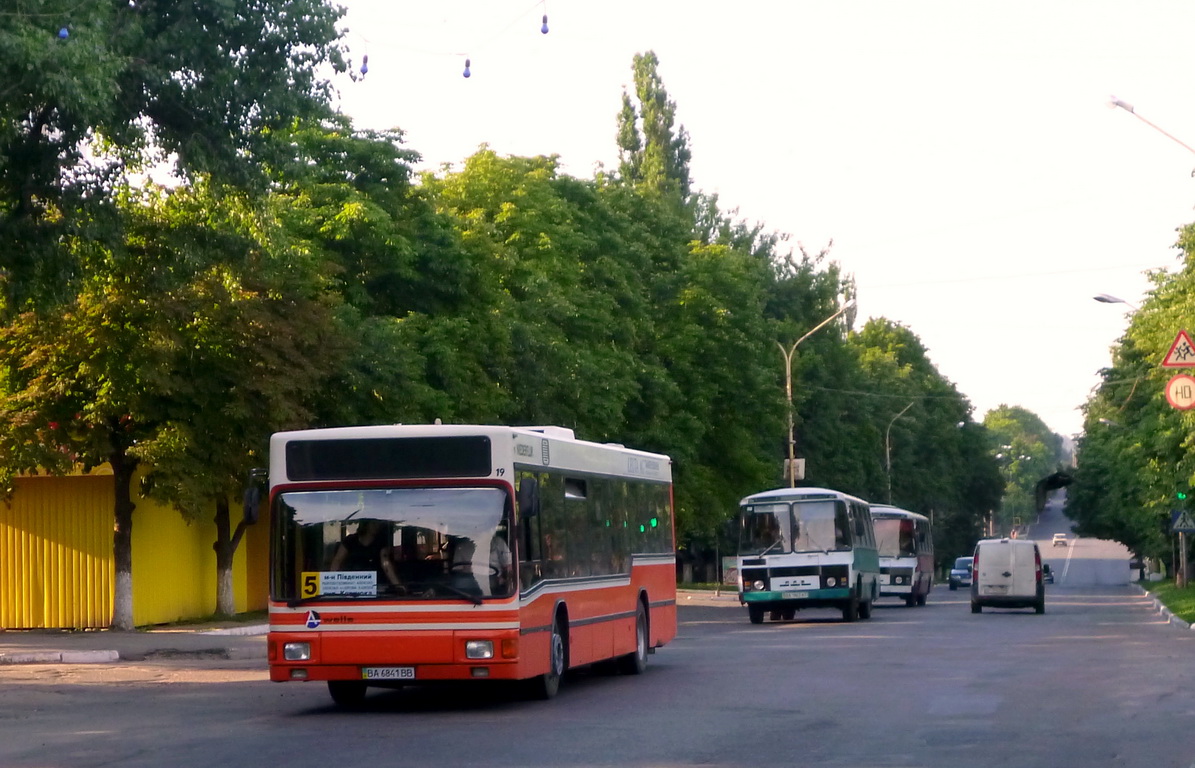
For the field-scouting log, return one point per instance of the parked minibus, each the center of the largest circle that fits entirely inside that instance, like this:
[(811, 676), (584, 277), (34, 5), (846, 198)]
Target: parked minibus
[(806, 548), (906, 545)]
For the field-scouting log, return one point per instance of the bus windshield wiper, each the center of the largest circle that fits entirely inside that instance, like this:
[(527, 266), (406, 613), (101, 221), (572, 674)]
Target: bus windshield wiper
[(770, 547)]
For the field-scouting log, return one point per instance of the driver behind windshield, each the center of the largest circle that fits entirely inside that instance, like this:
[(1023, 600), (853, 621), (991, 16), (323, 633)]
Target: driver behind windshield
[(367, 549)]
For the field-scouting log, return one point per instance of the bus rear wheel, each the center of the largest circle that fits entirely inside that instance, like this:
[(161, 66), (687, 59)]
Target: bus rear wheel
[(636, 662), (349, 694)]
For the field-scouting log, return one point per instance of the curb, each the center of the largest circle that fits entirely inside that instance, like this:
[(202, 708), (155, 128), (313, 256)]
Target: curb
[(1163, 611), (250, 630), (59, 657)]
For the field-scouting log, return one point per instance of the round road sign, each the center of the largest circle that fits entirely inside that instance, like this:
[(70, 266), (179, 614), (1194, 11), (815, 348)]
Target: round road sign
[(1180, 392)]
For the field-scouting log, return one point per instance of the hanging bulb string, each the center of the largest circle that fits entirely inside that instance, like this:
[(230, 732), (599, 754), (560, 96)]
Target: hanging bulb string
[(478, 45)]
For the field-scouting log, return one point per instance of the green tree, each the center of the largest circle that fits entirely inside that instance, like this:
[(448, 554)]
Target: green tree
[(1027, 452), (131, 84), (1137, 452), (180, 352), (653, 154)]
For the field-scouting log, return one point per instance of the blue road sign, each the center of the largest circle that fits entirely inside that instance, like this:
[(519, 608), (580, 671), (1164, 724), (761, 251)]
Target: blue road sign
[(1182, 521)]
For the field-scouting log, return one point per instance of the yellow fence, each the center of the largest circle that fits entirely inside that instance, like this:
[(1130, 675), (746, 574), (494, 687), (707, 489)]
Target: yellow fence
[(56, 565)]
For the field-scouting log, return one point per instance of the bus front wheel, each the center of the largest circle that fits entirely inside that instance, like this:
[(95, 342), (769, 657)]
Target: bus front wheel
[(347, 693), (755, 613), (850, 611), (546, 685)]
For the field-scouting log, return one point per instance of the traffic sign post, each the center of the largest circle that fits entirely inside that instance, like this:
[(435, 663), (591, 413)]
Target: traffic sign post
[(1182, 522), (1180, 392), (1181, 353)]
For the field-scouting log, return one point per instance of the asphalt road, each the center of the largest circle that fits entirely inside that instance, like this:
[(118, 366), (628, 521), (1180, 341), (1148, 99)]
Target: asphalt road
[(1099, 680), (1082, 562)]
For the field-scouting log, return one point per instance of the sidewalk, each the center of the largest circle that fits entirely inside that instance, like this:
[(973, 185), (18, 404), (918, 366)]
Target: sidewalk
[(231, 640)]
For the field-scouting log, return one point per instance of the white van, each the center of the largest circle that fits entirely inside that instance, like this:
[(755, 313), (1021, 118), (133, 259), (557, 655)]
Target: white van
[(1006, 573)]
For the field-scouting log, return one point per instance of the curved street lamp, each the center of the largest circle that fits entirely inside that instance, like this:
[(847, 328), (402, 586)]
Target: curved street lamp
[(1104, 298), (788, 353), (1114, 102)]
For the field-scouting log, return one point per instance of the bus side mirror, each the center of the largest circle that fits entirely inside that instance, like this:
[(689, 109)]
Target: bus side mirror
[(528, 497), (251, 503)]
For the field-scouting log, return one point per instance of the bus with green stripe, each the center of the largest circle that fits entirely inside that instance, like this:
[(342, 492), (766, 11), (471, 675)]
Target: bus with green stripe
[(806, 548)]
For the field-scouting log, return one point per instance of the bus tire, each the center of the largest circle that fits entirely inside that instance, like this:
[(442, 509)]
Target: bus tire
[(850, 609), (911, 600), (1040, 606), (922, 597), (635, 663), (788, 614), (865, 609), (349, 694), (755, 613), (976, 607), (546, 686)]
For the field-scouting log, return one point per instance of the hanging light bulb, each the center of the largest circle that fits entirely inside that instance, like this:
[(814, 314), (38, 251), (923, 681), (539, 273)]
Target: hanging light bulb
[(544, 28), (63, 33), (467, 72), (365, 64)]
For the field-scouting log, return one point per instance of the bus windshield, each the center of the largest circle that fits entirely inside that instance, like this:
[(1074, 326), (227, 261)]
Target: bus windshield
[(392, 543), (766, 528), (894, 537), (822, 526), (805, 526)]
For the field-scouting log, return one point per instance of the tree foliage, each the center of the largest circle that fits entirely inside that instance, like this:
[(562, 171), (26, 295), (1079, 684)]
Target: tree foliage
[(1137, 453), (302, 276)]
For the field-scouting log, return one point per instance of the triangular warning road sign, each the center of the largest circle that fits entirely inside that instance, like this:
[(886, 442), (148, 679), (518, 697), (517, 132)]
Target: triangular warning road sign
[(1184, 523), (1182, 352)]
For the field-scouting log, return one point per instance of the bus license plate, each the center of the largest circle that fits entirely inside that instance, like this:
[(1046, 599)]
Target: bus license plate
[(388, 673), (794, 595)]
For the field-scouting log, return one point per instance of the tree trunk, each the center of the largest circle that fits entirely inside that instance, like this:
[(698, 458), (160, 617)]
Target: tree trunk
[(122, 538), (225, 547)]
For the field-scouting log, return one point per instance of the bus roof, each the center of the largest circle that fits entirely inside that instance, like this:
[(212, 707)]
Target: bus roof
[(798, 494), (568, 453), (887, 510)]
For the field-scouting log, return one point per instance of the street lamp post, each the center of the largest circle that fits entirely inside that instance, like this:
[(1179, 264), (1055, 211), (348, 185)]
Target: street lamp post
[(1104, 298), (1114, 102), (788, 353), (888, 447)]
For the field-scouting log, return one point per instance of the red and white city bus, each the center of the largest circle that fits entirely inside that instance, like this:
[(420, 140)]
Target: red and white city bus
[(424, 553)]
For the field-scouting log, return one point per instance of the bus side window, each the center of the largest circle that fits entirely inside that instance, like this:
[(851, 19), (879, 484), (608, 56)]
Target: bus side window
[(843, 520)]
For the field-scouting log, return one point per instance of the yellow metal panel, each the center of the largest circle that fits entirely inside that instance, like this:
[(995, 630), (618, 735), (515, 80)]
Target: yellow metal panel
[(56, 564), (174, 566), (255, 553), (56, 567)]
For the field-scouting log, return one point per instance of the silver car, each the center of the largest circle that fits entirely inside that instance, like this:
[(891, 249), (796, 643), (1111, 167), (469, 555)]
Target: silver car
[(960, 574)]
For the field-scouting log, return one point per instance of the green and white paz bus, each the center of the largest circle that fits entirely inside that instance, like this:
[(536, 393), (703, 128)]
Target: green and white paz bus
[(806, 548)]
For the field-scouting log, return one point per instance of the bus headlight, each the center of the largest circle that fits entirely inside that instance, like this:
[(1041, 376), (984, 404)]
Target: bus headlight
[(296, 651), (758, 585), (831, 581), (479, 649)]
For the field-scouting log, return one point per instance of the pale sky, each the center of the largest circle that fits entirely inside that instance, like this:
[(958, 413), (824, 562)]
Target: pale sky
[(960, 154)]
